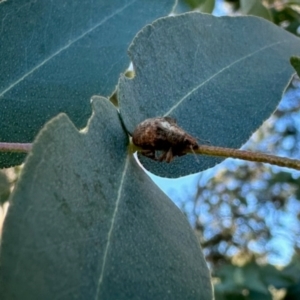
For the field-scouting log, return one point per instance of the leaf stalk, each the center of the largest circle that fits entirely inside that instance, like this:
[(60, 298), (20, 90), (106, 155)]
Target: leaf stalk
[(15, 147), (249, 155)]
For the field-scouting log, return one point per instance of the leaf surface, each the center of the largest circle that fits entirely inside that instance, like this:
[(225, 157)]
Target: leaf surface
[(86, 222), (55, 55), (219, 77)]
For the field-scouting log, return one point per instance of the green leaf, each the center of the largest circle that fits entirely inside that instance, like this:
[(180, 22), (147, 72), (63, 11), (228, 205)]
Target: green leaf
[(254, 295), (207, 7), (293, 292), (292, 271), (234, 280), (219, 77), (296, 2), (195, 3), (274, 277), (253, 279), (4, 188), (295, 62), (86, 222), (56, 55), (181, 7), (255, 8), (227, 284)]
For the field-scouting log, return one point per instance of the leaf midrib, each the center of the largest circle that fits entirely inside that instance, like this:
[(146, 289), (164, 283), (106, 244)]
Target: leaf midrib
[(65, 47), (180, 101), (119, 195)]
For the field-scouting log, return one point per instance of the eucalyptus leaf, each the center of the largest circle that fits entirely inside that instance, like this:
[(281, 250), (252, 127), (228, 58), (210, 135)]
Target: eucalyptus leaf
[(220, 77), (86, 222), (55, 55)]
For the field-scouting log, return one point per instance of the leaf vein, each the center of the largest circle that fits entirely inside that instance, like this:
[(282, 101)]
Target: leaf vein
[(218, 73), (65, 47), (112, 225)]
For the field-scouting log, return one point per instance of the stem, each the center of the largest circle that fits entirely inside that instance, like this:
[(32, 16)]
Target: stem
[(240, 154), (249, 155), (15, 147)]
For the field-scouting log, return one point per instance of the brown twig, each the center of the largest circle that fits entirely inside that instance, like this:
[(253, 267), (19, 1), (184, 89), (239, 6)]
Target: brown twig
[(249, 155), (15, 147)]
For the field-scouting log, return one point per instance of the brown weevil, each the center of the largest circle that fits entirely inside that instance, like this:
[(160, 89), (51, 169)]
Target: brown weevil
[(163, 134)]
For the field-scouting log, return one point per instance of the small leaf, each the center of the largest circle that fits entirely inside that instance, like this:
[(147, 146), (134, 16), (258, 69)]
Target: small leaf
[(207, 7), (55, 55), (194, 3), (219, 77), (253, 279), (181, 7), (4, 188), (295, 62), (275, 277), (86, 222), (234, 280), (255, 8)]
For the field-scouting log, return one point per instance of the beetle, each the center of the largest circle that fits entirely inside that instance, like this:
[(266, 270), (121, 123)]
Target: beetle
[(163, 134)]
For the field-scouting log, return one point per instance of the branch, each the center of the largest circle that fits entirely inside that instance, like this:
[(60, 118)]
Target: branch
[(15, 147), (249, 155)]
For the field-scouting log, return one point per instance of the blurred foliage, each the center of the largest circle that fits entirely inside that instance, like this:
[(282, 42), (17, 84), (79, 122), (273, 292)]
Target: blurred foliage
[(282, 12), (286, 14), (292, 273), (255, 281), (256, 8)]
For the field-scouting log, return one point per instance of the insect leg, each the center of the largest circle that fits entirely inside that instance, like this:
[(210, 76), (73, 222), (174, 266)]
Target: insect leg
[(149, 154)]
